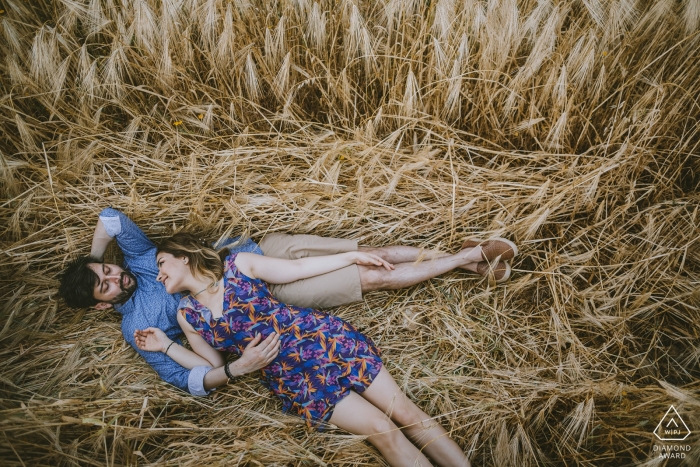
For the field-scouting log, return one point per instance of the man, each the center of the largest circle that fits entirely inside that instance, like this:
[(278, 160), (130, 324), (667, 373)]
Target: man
[(143, 302)]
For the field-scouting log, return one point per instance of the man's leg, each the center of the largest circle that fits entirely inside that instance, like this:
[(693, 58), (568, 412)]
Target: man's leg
[(346, 285), (328, 290), (413, 265), (396, 254)]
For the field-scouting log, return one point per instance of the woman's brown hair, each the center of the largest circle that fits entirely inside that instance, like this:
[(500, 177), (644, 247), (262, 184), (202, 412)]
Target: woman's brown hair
[(204, 261)]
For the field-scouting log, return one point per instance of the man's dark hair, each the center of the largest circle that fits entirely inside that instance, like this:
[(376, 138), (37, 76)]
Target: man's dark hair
[(78, 283)]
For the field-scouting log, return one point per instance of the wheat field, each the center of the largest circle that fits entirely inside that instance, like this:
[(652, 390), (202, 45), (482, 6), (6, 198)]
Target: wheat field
[(570, 127)]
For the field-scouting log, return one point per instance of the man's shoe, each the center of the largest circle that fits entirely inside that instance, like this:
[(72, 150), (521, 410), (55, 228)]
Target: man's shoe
[(501, 270), (494, 248)]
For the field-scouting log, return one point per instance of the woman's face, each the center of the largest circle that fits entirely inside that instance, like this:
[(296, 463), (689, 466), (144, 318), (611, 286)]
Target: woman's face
[(172, 272)]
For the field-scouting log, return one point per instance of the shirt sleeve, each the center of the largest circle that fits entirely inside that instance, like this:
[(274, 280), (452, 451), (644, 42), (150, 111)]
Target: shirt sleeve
[(195, 382), (131, 240)]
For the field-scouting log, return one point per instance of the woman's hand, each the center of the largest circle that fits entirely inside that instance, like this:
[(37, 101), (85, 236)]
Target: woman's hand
[(368, 259), (258, 354), (151, 340)]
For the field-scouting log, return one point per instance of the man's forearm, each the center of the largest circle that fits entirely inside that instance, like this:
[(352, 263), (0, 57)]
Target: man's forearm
[(100, 240)]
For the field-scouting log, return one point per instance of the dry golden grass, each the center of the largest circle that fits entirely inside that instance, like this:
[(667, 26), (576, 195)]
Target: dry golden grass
[(570, 127)]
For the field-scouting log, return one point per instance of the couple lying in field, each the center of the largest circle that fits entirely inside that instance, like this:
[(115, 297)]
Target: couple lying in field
[(261, 303)]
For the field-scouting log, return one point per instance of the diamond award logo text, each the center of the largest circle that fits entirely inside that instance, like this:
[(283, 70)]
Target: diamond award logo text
[(672, 427)]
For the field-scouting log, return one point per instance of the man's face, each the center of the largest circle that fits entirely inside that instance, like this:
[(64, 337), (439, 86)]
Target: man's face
[(114, 285)]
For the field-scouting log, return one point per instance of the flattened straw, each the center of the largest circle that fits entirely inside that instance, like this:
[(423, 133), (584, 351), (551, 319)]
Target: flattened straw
[(567, 127)]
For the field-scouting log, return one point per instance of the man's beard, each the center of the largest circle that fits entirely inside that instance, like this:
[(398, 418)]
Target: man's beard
[(126, 293)]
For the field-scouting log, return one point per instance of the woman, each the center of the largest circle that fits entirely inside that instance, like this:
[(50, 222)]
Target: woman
[(321, 367)]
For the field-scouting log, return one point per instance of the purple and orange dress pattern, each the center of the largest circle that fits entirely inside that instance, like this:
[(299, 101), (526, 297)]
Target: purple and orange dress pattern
[(321, 356)]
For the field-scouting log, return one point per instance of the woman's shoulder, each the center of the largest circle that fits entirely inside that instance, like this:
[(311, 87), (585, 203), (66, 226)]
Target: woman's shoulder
[(229, 261), (231, 271)]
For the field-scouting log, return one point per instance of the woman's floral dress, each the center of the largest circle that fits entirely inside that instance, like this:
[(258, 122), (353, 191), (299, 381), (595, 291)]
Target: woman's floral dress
[(321, 357)]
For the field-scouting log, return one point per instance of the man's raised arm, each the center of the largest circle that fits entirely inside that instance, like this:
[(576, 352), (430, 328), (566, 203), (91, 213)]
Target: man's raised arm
[(100, 241)]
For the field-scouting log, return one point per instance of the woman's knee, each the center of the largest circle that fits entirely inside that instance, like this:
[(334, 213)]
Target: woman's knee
[(406, 413), (384, 432), (381, 425)]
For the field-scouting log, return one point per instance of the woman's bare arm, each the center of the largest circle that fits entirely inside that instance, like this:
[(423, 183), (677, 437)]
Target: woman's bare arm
[(282, 271), (199, 345)]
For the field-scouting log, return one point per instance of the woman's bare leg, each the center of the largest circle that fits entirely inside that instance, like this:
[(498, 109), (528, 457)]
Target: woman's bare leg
[(356, 415), (426, 433)]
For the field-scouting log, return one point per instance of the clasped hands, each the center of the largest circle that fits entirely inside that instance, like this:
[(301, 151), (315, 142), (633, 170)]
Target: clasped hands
[(257, 354)]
